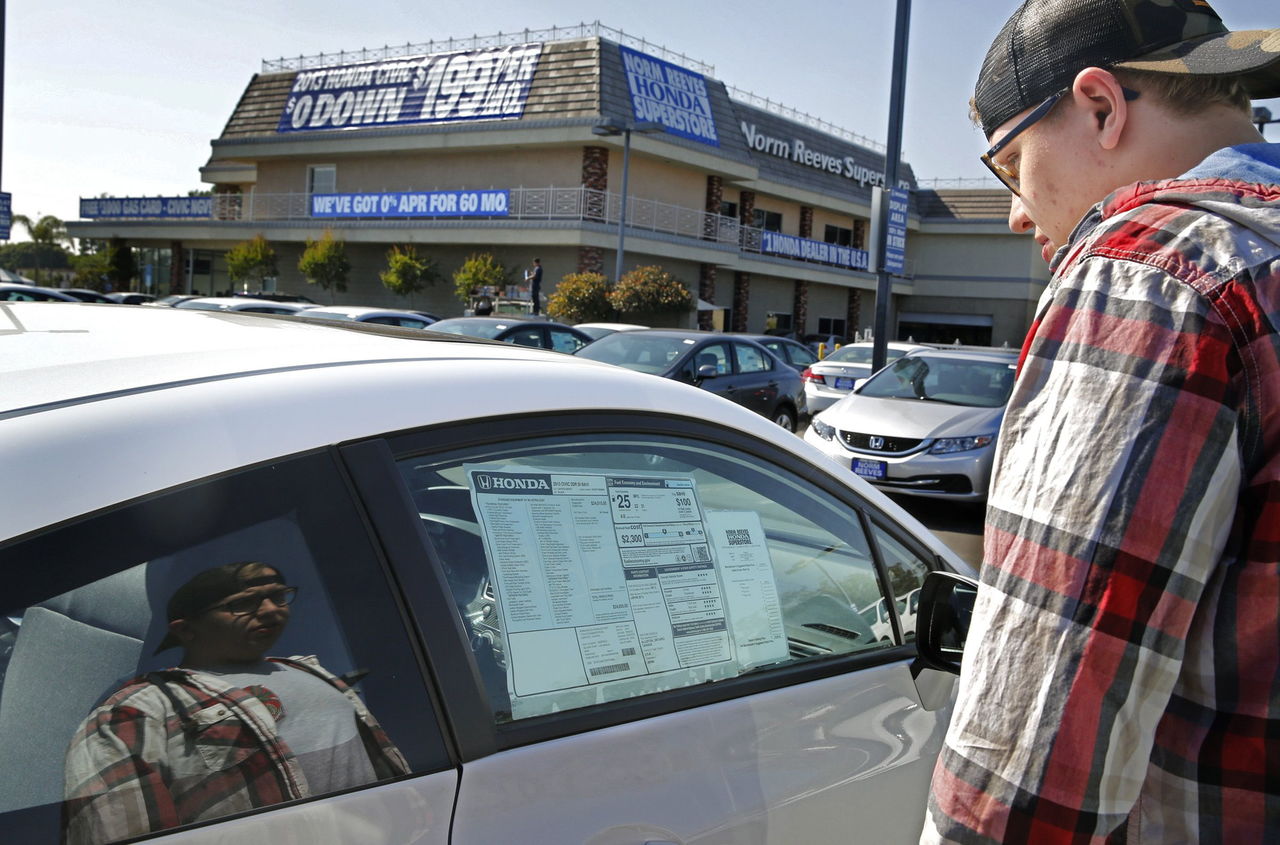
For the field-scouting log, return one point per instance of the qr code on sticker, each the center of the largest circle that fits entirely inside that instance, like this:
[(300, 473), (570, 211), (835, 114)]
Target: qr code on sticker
[(738, 537)]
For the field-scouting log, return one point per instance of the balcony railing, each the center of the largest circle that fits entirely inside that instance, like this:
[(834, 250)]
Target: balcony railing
[(576, 204)]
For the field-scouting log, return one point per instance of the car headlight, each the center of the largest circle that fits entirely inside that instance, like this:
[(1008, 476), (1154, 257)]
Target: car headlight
[(826, 432), (947, 445)]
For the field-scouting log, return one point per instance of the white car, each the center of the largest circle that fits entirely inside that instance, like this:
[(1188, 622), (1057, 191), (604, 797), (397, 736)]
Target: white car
[(587, 605), (367, 314), (831, 379), (925, 425), (241, 303)]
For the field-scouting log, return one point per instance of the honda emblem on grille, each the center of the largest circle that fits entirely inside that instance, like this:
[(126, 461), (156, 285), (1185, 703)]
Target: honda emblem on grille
[(876, 443)]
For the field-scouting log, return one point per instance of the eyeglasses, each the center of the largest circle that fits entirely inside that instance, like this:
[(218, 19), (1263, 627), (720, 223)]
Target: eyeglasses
[(245, 605), (1004, 174)]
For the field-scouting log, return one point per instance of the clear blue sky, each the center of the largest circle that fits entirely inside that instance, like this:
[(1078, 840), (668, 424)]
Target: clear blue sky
[(124, 97)]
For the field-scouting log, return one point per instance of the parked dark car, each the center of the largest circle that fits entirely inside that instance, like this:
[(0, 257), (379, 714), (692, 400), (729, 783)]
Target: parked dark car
[(543, 334), (732, 366), (10, 292), (131, 298), (791, 351)]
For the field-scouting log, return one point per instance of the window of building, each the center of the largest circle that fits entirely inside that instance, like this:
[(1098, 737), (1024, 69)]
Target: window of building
[(728, 209), (322, 179), (838, 235), (776, 321), (770, 221), (828, 326)]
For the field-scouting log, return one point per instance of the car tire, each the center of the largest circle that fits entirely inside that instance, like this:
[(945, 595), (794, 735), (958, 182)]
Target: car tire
[(785, 417)]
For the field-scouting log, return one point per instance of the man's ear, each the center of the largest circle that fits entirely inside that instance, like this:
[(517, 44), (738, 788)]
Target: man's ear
[(182, 631), (1100, 95)]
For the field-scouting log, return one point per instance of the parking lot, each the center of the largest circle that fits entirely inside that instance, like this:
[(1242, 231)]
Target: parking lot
[(957, 524)]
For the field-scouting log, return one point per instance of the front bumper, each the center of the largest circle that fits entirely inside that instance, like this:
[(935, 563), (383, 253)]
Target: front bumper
[(963, 476)]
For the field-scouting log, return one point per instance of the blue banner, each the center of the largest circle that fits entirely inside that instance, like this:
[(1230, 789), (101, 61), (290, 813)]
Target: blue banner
[(665, 93), (171, 207), (412, 204), (895, 243), (485, 84), (805, 249)]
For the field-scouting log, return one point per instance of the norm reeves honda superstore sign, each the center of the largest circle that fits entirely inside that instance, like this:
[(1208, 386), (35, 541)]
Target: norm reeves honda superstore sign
[(664, 93), (483, 84)]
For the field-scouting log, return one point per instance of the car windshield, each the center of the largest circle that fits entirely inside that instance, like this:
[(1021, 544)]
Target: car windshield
[(471, 328), (635, 351), (956, 381)]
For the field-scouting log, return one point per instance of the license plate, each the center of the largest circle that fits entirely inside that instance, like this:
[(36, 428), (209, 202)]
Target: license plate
[(868, 469), (844, 384)]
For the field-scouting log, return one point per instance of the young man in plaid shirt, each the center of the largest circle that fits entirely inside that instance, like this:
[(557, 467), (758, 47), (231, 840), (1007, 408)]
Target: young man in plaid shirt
[(226, 731), (1122, 675)]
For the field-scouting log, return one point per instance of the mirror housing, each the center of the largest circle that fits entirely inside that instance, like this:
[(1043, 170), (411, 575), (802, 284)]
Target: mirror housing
[(707, 371), (942, 624)]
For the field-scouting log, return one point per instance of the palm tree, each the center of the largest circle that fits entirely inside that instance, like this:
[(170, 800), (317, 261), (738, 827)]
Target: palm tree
[(48, 230)]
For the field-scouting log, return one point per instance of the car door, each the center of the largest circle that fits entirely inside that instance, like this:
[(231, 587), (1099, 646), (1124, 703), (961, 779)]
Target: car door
[(718, 355), (756, 378), (647, 629), (84, 608)]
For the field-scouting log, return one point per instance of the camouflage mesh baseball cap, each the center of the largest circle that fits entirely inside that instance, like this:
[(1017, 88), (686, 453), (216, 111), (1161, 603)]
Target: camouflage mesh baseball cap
[(1047, 42)]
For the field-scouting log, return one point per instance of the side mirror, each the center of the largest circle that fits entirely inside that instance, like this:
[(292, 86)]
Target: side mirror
[(707, 371), (942, 626)]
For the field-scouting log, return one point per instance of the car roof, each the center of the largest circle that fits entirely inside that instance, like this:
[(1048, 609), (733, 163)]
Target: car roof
[(357, 311), (1003, 356)]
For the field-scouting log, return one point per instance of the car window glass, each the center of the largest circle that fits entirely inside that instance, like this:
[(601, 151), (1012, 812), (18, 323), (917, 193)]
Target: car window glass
[(593, 569), (97, 726), (525, 337), (799, 355), (715, 354), (906, 573), (751, 359), (563, 341)]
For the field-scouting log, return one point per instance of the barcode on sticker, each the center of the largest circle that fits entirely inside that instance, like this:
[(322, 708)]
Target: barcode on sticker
[(628, 652), (739, 537), (700, 553), (610, 669)]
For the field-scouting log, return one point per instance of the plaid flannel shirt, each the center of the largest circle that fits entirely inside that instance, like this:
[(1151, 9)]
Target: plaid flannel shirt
[(180, 746), (1124, 659)]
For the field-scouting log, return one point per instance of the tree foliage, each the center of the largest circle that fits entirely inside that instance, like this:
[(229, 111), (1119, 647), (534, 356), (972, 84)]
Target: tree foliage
[(407, 272), (650, 290), (93, 270), (29, 254), (324, 263), (122, 266), (252, 261), (480, 270), (581, 298), (47, 229)]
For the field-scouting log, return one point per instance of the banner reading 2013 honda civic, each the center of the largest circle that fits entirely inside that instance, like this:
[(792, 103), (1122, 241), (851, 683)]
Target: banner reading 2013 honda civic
[(488, 84)]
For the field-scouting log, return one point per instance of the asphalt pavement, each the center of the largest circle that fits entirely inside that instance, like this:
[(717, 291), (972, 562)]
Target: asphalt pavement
[(958, 524)]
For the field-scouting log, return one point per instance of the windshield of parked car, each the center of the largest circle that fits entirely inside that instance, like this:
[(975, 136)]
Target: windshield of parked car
[(635, 351), (956, 381), (472, 328)]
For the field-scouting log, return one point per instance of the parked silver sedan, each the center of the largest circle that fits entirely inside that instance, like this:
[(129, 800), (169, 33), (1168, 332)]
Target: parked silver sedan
[(830, 380), (924, 425)]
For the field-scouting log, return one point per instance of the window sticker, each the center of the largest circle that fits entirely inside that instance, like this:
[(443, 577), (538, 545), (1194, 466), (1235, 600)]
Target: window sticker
[(611, 586)]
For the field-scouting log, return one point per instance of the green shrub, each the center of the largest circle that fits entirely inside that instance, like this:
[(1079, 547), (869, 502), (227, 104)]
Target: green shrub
[(581, 298), (480, 270), (650, 290)]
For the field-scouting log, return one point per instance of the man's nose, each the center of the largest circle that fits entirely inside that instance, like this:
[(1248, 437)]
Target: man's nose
[(1019, 222)]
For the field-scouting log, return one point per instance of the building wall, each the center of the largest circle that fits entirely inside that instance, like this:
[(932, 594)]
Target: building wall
[(561, 167)]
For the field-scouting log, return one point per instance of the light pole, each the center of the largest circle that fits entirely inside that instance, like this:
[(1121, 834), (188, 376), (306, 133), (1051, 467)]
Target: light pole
[(893, 150), (613, 128)]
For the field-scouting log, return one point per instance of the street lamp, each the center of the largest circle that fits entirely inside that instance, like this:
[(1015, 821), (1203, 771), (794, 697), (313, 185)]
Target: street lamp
[(613, 128)]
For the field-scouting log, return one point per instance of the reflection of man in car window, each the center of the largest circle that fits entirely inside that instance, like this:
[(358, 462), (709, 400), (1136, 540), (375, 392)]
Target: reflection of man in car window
[(225, 731)]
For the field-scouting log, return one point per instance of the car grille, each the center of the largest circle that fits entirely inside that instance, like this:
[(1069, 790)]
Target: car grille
[(892, 445)]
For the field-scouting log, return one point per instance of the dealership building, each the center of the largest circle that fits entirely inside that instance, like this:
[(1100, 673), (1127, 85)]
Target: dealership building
[(533, 144)]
